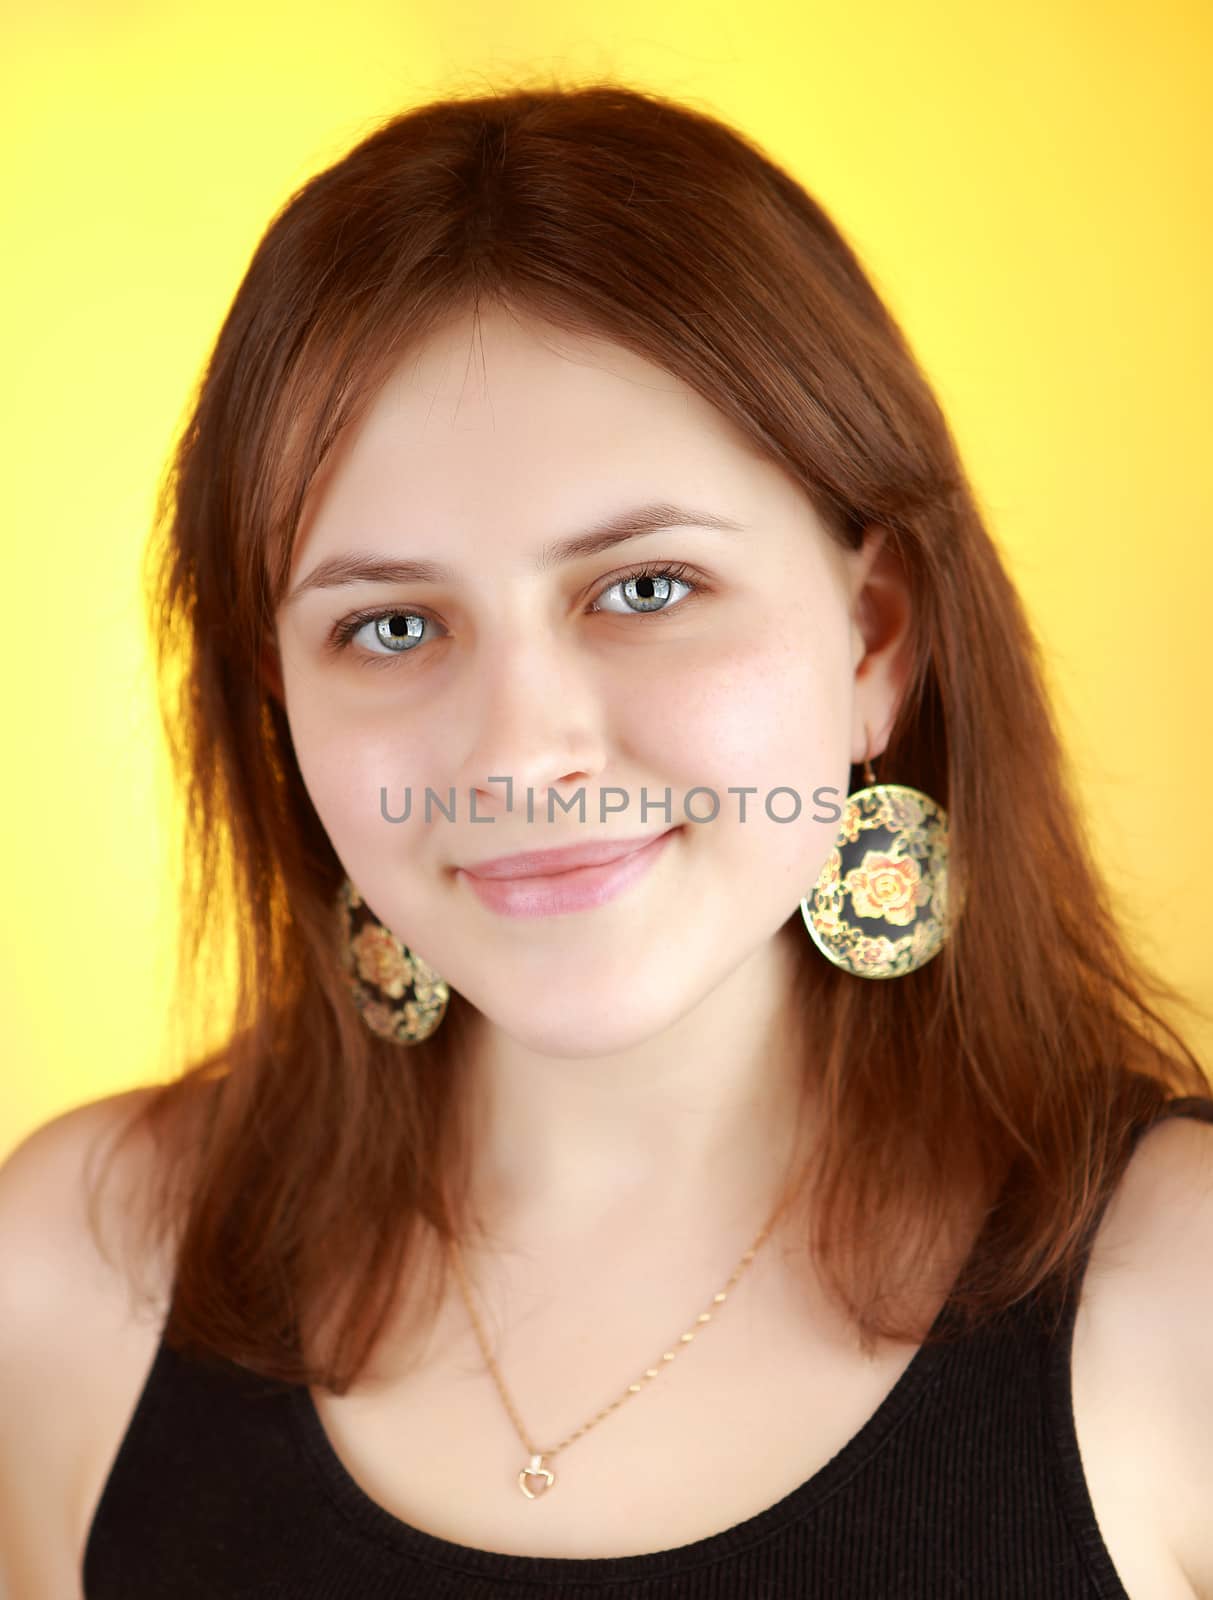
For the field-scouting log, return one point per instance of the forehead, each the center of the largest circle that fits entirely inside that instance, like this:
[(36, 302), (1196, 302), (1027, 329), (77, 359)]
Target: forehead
[(484, 391), (463, 358), (507, 429)]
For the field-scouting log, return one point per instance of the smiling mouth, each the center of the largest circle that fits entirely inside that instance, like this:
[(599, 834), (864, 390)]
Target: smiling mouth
[(556, 863), (572, 889)]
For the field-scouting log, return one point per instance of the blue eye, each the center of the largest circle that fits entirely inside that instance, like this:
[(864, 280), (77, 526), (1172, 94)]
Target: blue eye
[(650, 587), (400, 631)]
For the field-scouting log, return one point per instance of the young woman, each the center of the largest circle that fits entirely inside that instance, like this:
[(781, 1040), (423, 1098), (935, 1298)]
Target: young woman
[(780, 1192)]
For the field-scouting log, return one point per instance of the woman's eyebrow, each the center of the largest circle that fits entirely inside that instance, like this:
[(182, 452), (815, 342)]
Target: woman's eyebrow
[(358, 566)]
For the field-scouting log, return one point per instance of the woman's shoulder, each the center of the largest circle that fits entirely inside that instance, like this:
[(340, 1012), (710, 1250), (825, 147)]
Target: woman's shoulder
[(82, 1298), (1142, 1357), (62, 1229), (1162, 1208)]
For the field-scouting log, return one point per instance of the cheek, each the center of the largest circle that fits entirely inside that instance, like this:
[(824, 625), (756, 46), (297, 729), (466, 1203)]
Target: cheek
[(346, 767), (767, 718), (346, 761)]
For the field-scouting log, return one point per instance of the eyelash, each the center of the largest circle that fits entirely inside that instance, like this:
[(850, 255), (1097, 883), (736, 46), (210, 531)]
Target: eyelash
[(344, 632)]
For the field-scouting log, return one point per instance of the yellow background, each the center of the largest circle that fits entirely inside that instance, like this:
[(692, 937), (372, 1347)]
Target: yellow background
[(1024, 185)]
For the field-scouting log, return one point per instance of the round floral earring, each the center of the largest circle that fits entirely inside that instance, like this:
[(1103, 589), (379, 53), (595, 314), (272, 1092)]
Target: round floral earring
[(400, 997), (879, 907)]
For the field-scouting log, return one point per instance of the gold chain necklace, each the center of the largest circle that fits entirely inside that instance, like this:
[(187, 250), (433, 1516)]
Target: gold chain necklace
[(535, 1467)]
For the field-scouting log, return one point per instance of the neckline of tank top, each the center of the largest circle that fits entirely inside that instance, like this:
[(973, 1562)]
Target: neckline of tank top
[(925, 1366), (382, 1526)]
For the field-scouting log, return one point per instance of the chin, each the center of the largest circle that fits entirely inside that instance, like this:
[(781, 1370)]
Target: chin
[(573, 1033)]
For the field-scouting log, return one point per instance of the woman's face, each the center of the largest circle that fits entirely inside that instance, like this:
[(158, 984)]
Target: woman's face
[(746, 672)]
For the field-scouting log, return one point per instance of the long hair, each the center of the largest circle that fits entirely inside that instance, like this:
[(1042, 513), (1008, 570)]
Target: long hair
[(305, 1161)]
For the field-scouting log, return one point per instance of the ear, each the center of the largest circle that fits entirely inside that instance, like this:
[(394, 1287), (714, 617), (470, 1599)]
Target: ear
[(271, 670), (881, 614)]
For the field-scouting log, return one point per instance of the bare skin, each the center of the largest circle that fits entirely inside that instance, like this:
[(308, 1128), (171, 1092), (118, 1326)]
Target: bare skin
[(778, 1366)]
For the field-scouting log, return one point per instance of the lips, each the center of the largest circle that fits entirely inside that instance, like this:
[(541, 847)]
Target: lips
[(549, 863), (576, 888)]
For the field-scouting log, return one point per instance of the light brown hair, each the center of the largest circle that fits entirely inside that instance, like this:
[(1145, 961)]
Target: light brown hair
[(304, 1159)]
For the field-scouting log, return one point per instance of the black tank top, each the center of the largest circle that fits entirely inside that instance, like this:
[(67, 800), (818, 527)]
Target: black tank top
[(965, 1481)]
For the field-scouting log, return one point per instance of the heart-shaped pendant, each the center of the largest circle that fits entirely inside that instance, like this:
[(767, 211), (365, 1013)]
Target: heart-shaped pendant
[(535, 1470)]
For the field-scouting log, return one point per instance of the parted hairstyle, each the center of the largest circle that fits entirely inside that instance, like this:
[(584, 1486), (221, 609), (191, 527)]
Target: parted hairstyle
[(303, 1161)]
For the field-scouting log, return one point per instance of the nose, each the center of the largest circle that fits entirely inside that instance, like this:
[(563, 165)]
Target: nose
[(531, 712)]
